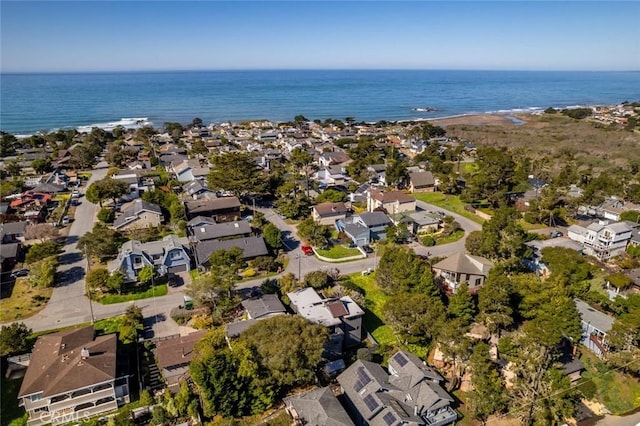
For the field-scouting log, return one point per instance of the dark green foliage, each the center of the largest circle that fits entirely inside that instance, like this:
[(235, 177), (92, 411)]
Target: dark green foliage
[(315, 234), (502, 239), (317, 279), (97, 279), (494, 301), (428, 241), (331, 195), (13, 339), (130, 324), (415, 317), (569, 268), (171, 206), (577, 113), (272, 236), (43, 272), (107, 215), (236, 172), (102, 242), (495, 176), (41, 251), (264, 263), (489, 394), (288, 346), (461, 305), (400, 270), (619, 280), (107, 188)]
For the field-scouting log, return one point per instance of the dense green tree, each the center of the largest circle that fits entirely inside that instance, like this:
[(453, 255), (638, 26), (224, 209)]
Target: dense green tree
[(116, 282), (303, 163), (272, 236), (237, 173), (107, 215), (130, 324), (288, 346), (97, 279), (8, 143), (223, 390), (43, 272), (41, 251), (502, 239), (42, 165), (494, 176), (315, 234), (399, 270), (13, 168), (415, 317), (489, 395), (13, 339), (624, 339), (317, 279), (102, 242), (461, 305), (396, 172), (146, 274), (107, 188), (494, 302), (331, 195)]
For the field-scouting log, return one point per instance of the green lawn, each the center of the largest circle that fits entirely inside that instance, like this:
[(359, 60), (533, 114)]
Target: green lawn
[(159, 290), (450, 238), (619, 392), (530, 226), (24, 302), (374, 303), (339, 252), (447, 202)]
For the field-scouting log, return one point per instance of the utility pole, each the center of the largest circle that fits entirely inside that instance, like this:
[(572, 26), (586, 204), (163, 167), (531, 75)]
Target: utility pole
[(299, 277), (88, 290)]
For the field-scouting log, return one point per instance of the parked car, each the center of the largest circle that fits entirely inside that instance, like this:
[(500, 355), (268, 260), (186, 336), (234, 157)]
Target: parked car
[(65, 220), (556, 234), (75, 194), (20, 273), (367, 249), (307, 250), (173, 280), (367, 271)]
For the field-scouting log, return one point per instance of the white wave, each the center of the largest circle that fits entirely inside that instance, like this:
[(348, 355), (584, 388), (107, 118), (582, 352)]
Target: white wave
[(127, 123), (23, 136), (514, 110)]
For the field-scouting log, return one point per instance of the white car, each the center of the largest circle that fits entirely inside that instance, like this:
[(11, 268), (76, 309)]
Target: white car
[(75, 194)]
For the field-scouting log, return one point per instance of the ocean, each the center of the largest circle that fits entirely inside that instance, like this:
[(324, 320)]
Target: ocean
[(44, 102)]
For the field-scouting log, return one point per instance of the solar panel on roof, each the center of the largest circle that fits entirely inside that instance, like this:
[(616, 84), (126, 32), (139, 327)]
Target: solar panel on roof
[(371, 402), (389, 419), (401, 360), (362, 379)]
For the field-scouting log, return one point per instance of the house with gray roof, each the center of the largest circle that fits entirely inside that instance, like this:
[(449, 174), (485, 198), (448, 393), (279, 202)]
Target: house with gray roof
[(223, 209), (422, 181), (263, 306), (342, 316), (365, 227), (328, 213), (408, 394), (317, 407), (462, 267), (251, 247), (137, 215), (220, 231), (595, 327), (169, 255), (602, 240)]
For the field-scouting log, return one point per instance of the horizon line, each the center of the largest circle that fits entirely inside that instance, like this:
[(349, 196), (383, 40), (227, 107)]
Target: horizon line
[(140, 71)]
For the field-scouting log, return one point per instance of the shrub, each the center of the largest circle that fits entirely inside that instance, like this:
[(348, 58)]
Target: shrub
[(428, 241), (40, 251), (42, 273), (106, 215)]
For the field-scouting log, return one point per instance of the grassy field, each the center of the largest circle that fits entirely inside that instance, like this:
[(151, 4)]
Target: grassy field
[(374, 303), (159, 290), (619, 392), (447, 202), (11, 413), (24, 302), (339, 252)]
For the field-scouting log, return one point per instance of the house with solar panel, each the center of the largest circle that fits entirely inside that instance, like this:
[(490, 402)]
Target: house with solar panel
[(409, 393)]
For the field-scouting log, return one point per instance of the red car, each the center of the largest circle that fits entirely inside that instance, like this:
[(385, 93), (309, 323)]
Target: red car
[(307, 250)]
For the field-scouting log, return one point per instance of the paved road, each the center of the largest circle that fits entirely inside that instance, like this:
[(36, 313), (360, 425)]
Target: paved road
[(69, 305)]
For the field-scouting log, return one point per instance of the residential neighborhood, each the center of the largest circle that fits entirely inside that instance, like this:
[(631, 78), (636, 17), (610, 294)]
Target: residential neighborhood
[(326, 272)]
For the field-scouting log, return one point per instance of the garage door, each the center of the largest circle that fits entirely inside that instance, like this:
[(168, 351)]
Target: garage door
[(179, 268)]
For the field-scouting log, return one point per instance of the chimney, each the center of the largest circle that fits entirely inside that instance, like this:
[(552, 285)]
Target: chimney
[(84, 353)]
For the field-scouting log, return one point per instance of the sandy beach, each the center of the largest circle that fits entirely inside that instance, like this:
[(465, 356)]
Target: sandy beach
[(476, 120)]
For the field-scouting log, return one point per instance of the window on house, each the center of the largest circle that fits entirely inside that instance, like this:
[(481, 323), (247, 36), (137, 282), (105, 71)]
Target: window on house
[(478, 281), (137, 260)]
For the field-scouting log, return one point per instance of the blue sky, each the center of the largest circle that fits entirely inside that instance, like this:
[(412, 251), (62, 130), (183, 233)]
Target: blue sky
[(211, 35)]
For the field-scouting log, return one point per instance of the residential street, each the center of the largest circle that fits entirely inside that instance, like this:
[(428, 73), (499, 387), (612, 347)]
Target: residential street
[(69, 305)]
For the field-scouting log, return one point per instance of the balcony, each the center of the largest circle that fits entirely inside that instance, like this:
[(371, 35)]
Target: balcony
[(444, 417), (89, 397)]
